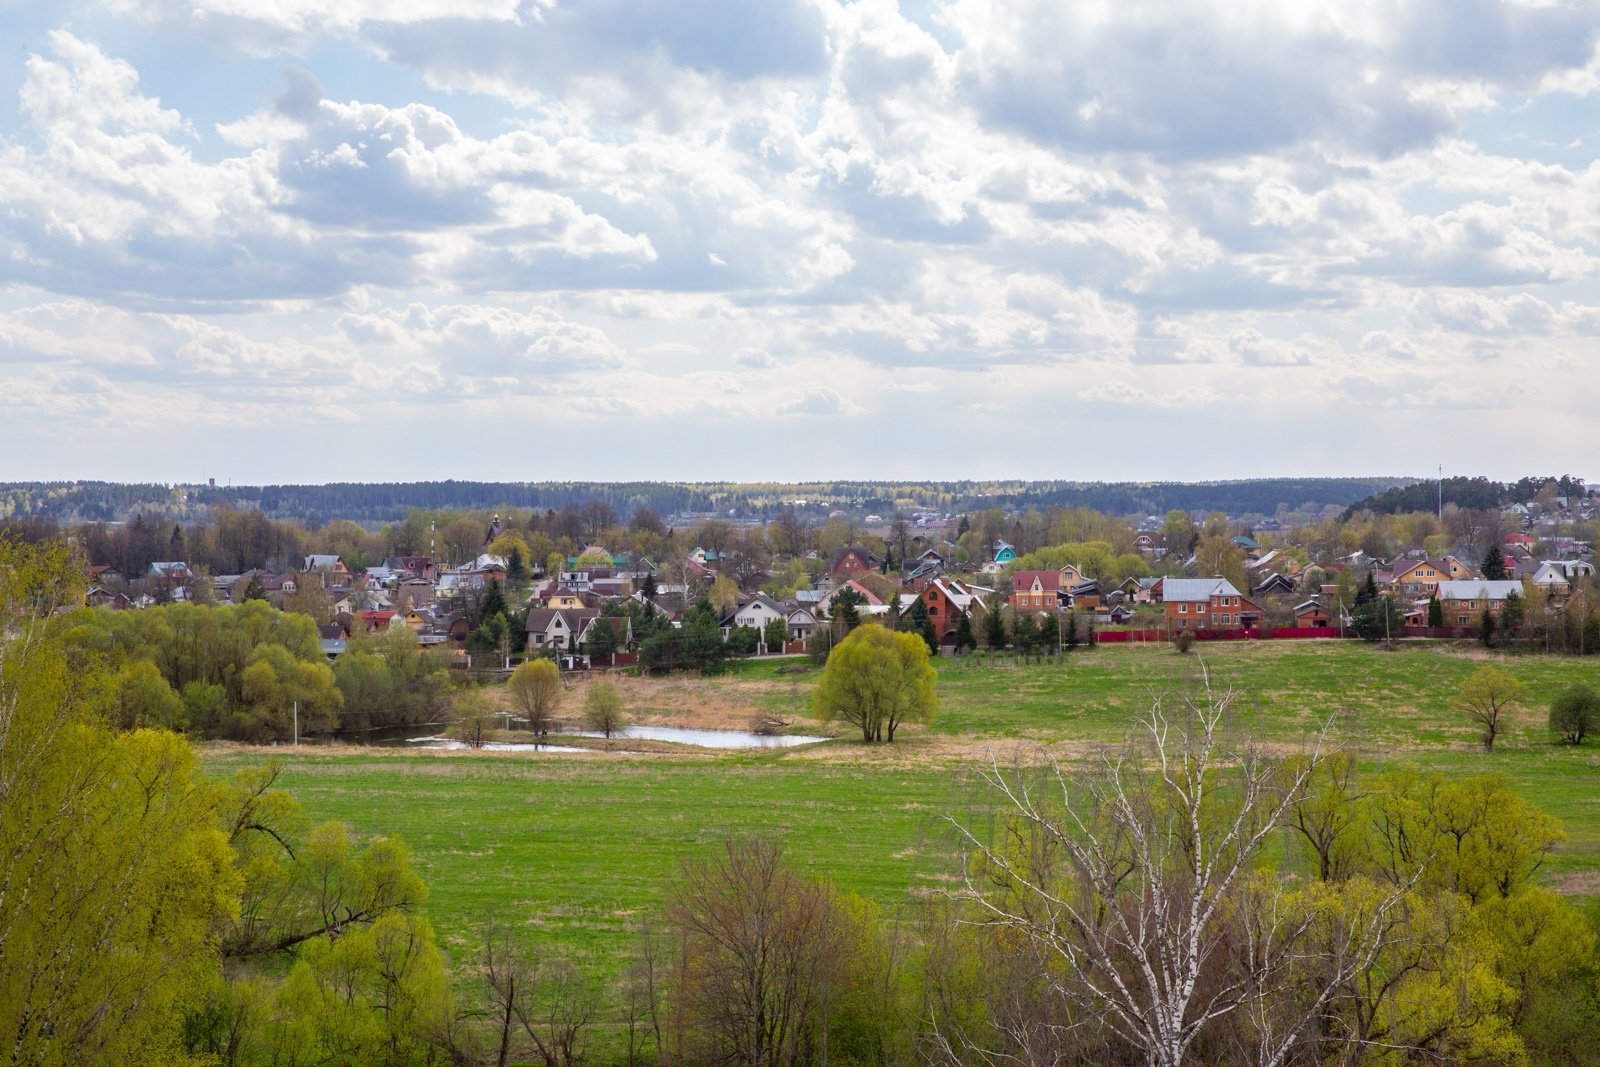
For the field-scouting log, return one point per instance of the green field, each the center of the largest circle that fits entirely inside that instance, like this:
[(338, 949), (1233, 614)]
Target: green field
[(573, 848)]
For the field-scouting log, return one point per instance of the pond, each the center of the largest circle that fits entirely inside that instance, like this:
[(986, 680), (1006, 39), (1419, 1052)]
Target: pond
[(712, 738), (426, 735)]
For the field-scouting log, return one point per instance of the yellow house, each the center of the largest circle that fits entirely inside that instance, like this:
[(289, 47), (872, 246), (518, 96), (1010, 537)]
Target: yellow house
[(562, 600), (1424, 575)]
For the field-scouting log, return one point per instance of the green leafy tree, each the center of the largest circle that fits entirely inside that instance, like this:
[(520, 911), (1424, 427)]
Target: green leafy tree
[(742, 641), (143, 699), (604, 710), (535, 691), (1575, 714), (1487, 699), (875, 680), (473, 717), (775, 634)]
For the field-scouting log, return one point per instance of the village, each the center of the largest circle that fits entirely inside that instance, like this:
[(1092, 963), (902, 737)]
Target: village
[(784, 587)]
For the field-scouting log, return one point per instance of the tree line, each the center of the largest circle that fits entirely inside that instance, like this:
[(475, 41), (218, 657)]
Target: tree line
[(374, 504)]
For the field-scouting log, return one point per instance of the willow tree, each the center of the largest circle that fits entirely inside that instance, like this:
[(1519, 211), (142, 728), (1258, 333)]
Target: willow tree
[(108, 909), (877, 679)]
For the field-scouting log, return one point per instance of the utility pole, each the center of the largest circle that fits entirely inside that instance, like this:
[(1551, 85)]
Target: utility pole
[(1441, 496), (297, 724)]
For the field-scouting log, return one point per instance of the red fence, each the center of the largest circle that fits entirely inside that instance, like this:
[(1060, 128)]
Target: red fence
[(1284, 633)]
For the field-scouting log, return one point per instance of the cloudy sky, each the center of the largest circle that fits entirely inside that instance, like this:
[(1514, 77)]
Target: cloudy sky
[(321, 240)]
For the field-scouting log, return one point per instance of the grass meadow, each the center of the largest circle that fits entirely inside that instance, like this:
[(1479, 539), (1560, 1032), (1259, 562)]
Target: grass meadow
[(573, 848)]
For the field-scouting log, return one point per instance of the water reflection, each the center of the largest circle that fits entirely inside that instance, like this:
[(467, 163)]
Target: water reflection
[(426, 736)]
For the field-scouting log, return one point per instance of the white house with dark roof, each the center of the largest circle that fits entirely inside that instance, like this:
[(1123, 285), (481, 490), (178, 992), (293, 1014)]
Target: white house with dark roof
[(754, 612)]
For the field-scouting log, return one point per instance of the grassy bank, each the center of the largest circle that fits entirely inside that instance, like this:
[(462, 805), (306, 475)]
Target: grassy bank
[(573, 848)]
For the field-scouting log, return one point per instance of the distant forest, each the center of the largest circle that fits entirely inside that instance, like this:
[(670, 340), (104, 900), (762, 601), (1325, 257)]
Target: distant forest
[(1475, 493), (373, 504)]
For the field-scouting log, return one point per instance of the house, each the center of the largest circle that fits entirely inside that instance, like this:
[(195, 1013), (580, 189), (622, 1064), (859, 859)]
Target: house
[(417, 566), (1086, 596), (1035, 590), (704, 557), (372, 621), (99, 597), (557, 627), (332, 569), (826, 602), (106, 575), (1072, 575), (416, 591), (1004, 552), (1151, 544), (279, 583), (1311, 615), (621, 629), (1140, 590), (852, 560), (1274, 583), (1206, 604), (173, 571), (802, 624), (564, 600), (658, 605), (753, 612), (1555, 576), (947, 601), (1467, 599), (1419, 577)]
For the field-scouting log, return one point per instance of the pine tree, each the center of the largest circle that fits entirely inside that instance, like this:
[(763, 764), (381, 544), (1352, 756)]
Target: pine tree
[(1494, 566), (1435, 610), (965, 641), (994, 628)]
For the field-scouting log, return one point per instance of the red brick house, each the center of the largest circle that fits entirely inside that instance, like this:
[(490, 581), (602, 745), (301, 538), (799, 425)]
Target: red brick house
[(852, 560), (1035, 590), (1206, 604), (946, 601)]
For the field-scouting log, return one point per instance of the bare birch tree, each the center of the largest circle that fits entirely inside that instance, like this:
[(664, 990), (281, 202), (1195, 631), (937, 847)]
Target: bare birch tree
[(1137, 890)]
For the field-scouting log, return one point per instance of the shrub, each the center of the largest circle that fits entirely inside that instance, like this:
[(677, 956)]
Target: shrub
[(1575, 714), (1184, 641)]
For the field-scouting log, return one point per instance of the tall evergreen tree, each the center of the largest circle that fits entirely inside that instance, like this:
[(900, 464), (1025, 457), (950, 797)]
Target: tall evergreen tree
[(994, 628), (1494, 565)]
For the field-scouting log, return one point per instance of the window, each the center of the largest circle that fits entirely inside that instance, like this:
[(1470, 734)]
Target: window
[(1183, 609)]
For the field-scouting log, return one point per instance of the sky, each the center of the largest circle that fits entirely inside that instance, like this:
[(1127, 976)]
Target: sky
[(391, 240)]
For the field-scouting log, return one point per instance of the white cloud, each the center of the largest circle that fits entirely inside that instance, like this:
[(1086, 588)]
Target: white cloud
[(710, 213)]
